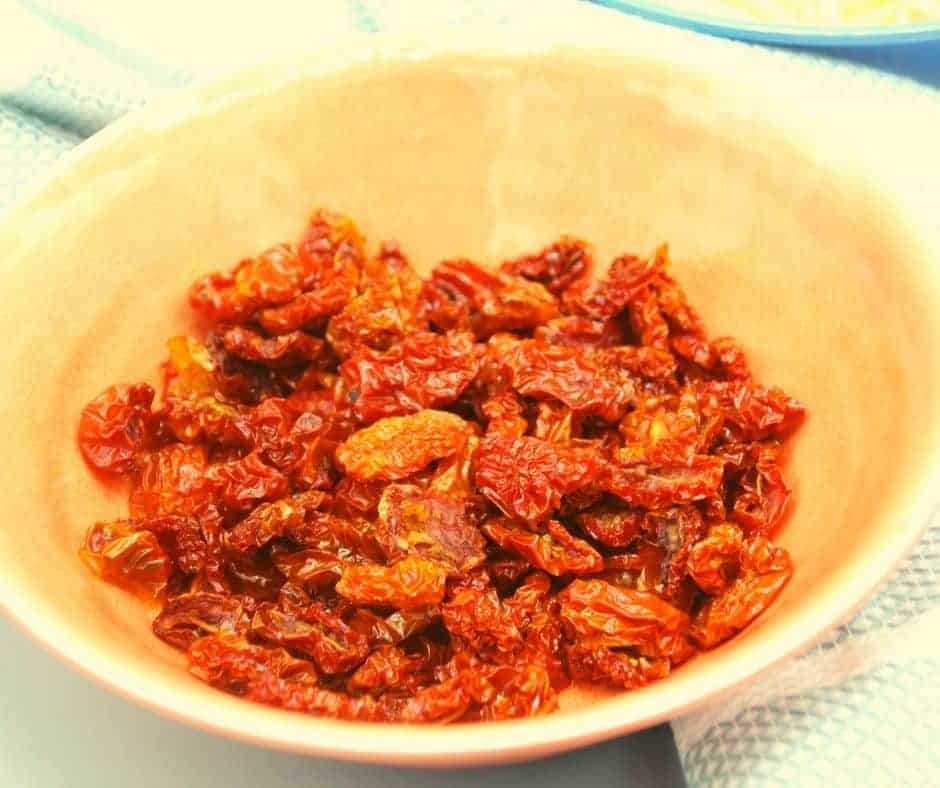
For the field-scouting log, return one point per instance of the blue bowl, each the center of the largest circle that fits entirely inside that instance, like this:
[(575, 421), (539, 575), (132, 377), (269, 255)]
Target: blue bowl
[(793, 35)]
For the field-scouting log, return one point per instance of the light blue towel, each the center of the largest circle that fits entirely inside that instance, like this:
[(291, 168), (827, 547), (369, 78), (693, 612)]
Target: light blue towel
[(856, 710)]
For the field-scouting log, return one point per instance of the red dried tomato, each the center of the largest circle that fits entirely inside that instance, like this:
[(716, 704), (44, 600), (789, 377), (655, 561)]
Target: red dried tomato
[(361, 497)]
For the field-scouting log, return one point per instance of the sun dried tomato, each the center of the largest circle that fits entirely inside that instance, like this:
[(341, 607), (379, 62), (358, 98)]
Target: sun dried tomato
[(613, 527), (553, 550), (494, 302), (127, 558), (423, 371), (602, 299), (270, 520), (413, 522), (660, 487), (580, 332), (372, 473), (527, 477), (577, 378), (605, 666), (399, 446), (284, 350), (114, 427), (714, 561), (315, 633), (170, 481), (389, 669), (188, 617), (765, 570), (411, 583), (478, 619), (555, 266), (607, 615), (229, 662)]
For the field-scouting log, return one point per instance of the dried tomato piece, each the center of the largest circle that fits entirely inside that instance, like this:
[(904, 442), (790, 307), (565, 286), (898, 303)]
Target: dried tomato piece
[(230, 663), (411, 583), (483, 626), (423, 371), (602, 299), (273, 277), (607, 615), (114, 427), (527, 477), (580, 332), (504, 415), (754, 411), (494, 302), (181, 537), (605, 666), (315, 633), (243, 483), (762, 495), (270, 520), (676, 530), (661, 487), (521, 690), (765, 570), (127, 558), (649, 363), (310, 568), (569, 375), (188, 617), (613, 527), (413, 522), (170, 481), (714, 561), (384, 312), (556, 266), (214, 297), (642, 569), (394, 628), (285, 350), (553, 550), (399, 446), (389, 669)]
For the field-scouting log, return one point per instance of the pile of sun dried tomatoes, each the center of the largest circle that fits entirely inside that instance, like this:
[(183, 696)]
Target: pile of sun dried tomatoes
[(371, 496)]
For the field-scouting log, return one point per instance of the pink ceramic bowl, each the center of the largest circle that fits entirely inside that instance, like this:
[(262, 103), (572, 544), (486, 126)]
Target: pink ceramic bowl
[(801, 239)]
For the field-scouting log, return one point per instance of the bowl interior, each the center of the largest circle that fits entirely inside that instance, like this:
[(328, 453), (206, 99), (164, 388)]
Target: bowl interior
[(483, 155)]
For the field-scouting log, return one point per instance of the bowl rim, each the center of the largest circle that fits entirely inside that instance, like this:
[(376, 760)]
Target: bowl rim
[(840, 596)]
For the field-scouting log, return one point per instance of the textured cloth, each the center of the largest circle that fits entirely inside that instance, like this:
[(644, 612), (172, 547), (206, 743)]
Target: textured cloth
[(856, 708)]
